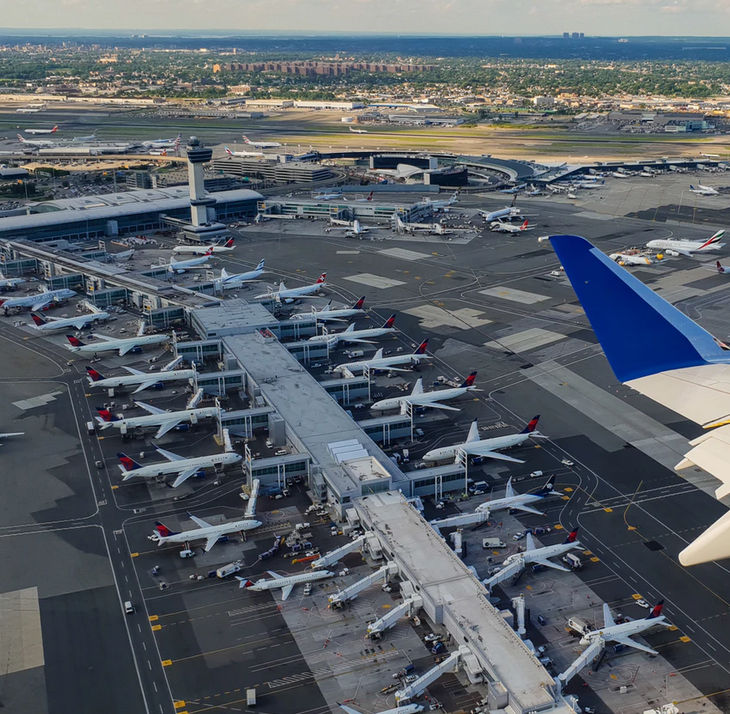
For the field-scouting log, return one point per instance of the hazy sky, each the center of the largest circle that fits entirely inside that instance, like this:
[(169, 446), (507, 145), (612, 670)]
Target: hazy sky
[(487, 17)]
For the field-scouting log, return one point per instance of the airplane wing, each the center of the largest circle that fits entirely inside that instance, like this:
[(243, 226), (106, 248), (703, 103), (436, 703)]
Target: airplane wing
[(348, 710), (628, 642), (286, 591), (165, 427), (132, 370), (671, 360), (183, 476), (126, 348), (437, 405), (210, 542), (149, 408), (169, 455), (359, 340), (547, 563), (274, 575), (487, 453), (104, 338), (505, 573), (526, 508), (144, 385), (80, 322), (41, 304), (200, 522)]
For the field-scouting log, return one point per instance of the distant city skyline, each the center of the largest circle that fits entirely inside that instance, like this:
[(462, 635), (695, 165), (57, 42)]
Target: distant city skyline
[(710, 18)]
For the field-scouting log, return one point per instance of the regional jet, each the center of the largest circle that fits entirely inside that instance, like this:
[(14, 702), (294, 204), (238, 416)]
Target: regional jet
[(122, 345), (182, 266), (10, 283), (51, 324), (141, 380), (419, 398), (358, 131), (701, 190), (232, 282), (518, 501), (378, 362), (284, 294), (286, 583)]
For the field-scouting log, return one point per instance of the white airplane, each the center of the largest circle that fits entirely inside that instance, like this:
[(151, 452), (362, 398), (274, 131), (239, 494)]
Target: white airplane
[(351, 229), (243, 154), (184, 468), (138, 379), (701, 190), (37, 301), (419, 398), (514, 189), (9, 434), (286, 583), (443, 203), (260, 144), (722, 269), (173, 143), (38, 143), (405, 709), (181, 266), (630, 258), (620, 174), (402, 227), (212, 534), (358, 131), (166, 421), (509, 212), (516, 563), (122, 345), (42, 131), (378, 362), (518, 501), (502, 227), (121, 256), (474, 446), (231, 282), (353, 335), (327, 313), (679, 246), (327, 196), (51, 324), (621, 633), (82, 139), (226, 247), (533, 191), (284, 294), (10, 283)]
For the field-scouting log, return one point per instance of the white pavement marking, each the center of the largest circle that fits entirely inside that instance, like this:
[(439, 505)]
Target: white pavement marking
[(526, 340), (348, 252), (431, 317), (39, 401), (20, 630), (404, 254), (521, 296), (374, 281)]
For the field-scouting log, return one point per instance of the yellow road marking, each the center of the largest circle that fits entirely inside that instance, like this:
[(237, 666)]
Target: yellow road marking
[(134, 555), (608, 510), (156, 627), (179, 704), (166, 662), (154, 618)]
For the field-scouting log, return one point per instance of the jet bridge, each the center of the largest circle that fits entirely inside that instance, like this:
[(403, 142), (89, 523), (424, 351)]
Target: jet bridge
[(418, 687), (463, 519), (408, 606), (339, 598), (334, 555), (592, 651), (251, 505)]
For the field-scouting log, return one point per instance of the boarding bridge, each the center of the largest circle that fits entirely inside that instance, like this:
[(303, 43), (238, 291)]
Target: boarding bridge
[(592, 651), (251, 505), (463, 519), (351, 592), (502, 575), (417, 688), (407, 607), (338, 553), (519, 605)]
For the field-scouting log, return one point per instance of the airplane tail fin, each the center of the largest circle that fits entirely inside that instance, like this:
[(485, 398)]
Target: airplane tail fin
[(532, 425), (378, 353), (572, 536), (358, 305), (548, 488), (417, 387), (127, 462), (322, 278), (106, 416), (230, 243), (75, 341), (656, 611), (55, 129), (720, 267), (608, 620), (524, 225), (228, 151), (473, 432), (260, 266), (162, 530), (712, 239), (224, 273), (691, 187), (421, 349), (20, 139), (508, 490), (40, 320), (469, 381), (93, 374), (389, 322), (370, 196)]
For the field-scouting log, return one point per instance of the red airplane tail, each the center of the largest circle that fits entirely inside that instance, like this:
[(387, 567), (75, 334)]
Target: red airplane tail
[(524, 225), (421, 349), (390, 321), (321, 278), (106, 415), (532, 425), (656, 611), (94, 376), (230, 243), (358, 305), (162, 530), (572, 536), (469, 381), (128, 462), (75, 341), (38, 319)]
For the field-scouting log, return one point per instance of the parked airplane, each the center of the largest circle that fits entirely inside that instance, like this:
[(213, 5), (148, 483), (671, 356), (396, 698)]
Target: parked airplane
[(621, 174), (140, 380), (509, 212), (327, 196), (122, 345), (474, 446), (232, 282), (173, 143), (701, 190), (722, 269), (351, 229), (502, 227), (402, 227), (284, 294), (443, 203), (243, 153), (630, 258), (37, 301), (519, 501), (226, 247), (166, 421), (10, 283), (286, 583), (37, 143), (514, 189), (533, 191), (183, 467), (419, 398), (42, 131), (358, 131), (378, 362), (260, 144), (182, 266), (327, 314), (121, 256), (7, 435), (50, 324), (358, 336), (405, 709), (679, 246), (516, 563), (82, 139)]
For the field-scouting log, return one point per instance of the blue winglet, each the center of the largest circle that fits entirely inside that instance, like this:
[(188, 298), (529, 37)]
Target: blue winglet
[(640, 332)]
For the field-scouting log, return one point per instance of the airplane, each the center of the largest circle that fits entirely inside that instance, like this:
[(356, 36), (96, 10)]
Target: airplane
[(514, 189), (378, 362), (9, 434), (353, 335), (42, 131), (121, 256), (243, 153), (260, 144), (501, 227), (516, 563), (327, 196), (284, 294), (27, 110), (327, 313), (405, 709), (358, 131), (10, 283), (212, 534), (166, 421), (138, 379), (621, 633), (444, 203), (351, 229), (231, 282), (722, 269), (701, 190), (163, 143), (419, 398), (533, 191), (679, 246), (122, 345), (518, 501), (38, 301), (630, 258), (182, 266), (402, 227), (226, 247), (35, 142), (184, 468), (50, 324), (286, 583), (621, 174), (509, 212), (81, 139), (474, 446)]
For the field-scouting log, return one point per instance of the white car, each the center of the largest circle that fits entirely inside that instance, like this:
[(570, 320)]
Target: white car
[(643, 603)]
